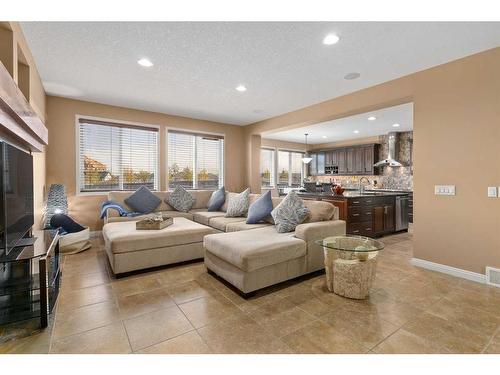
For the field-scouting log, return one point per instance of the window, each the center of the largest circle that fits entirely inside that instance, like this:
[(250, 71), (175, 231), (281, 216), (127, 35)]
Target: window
[(267, 167), (114, 156), (195, 161), (290, 168)]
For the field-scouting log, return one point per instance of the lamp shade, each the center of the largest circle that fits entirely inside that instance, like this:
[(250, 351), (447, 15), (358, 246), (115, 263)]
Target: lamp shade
[(306, 159)]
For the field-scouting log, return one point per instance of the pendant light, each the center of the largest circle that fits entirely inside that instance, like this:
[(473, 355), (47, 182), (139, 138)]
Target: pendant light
[(307, 158)]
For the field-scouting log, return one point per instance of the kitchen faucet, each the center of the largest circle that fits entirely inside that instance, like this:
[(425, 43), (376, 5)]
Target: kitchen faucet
[(361, 186)]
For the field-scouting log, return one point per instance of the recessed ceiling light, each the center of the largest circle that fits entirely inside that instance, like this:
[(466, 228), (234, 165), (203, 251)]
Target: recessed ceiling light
[(372, 118), (352, 75), (395, 125), (145, 62), (323, 136), (331, 39), (241, 88), (356, 131)]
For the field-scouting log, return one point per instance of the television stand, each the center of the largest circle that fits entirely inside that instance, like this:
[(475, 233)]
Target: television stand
[(30, 278), (26, 241)]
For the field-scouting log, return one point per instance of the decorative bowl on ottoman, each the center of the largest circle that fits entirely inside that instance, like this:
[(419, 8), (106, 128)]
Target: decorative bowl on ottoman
[(154, 222)]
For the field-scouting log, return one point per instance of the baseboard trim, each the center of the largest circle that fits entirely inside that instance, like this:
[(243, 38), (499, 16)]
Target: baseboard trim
[(458, 272)]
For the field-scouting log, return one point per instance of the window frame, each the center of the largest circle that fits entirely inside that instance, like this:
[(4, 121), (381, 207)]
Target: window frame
[(276, 159), (194, 133), (290, 151), (79, 117), (273, 172)]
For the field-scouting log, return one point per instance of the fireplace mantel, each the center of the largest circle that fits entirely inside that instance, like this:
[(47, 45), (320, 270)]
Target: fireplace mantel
[(18, 120)]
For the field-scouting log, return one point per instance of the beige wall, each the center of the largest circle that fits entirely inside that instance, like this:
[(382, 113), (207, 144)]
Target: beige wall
[(61, 152), (456, 138), (293, 146), (37, 101)]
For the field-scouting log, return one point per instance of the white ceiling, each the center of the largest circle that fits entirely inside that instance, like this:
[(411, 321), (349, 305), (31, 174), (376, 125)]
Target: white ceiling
[(343, 129), (284, 65)]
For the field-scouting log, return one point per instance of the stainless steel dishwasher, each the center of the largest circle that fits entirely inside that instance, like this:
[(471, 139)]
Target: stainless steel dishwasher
[(402, 212)]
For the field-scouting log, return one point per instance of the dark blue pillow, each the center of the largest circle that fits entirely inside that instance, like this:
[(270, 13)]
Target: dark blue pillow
[(260, 209), (143, 201), (217, 200)]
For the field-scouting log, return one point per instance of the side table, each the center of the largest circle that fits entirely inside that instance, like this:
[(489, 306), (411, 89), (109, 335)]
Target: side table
[(350, 264)]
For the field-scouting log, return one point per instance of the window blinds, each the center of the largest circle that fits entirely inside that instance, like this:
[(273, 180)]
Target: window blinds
[(195, 161), (290, 168), (114, 156), (267, 167)]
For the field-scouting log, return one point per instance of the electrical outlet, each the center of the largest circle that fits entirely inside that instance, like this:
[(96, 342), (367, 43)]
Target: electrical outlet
[(444, 190), (492, 192)]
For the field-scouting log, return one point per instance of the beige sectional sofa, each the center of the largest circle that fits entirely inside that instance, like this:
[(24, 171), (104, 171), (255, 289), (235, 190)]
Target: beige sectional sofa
[(249, 256)]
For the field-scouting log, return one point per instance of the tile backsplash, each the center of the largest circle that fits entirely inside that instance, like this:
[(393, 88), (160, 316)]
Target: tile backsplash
[(389, 177)]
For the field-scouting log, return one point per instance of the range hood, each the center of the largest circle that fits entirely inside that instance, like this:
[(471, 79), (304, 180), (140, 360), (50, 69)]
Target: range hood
[(392, 141)]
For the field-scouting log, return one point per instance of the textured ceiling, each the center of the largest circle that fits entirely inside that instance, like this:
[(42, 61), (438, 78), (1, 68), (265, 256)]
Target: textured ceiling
[(284, 65), (343, 129)]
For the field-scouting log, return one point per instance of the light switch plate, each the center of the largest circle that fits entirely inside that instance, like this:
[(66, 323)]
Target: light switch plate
[(444, 190), (492, 192)]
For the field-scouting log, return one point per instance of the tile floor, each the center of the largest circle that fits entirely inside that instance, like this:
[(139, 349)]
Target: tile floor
[(182, 309)]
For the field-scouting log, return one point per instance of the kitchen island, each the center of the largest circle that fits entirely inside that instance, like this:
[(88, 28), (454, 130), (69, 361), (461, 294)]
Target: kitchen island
[(368, 213)]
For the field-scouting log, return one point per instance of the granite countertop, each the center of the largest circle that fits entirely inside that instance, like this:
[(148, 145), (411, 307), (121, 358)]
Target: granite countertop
[(355, 194)]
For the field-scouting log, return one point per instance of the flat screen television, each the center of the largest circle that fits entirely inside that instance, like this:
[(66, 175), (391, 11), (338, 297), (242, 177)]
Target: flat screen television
[(16, 201)]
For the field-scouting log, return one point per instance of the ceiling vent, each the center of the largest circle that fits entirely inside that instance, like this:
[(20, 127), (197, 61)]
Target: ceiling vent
[(493, 276)]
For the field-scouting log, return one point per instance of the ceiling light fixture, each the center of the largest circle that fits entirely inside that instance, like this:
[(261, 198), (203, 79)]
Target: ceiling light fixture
[(356, 131), (351, 76), (323, 136), (372, 118), (241, 88), (306, 159), (331, 39), (395, 125), (145, 63)]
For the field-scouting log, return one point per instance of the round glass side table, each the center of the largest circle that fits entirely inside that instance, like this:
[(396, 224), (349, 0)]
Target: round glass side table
[(350, 264)]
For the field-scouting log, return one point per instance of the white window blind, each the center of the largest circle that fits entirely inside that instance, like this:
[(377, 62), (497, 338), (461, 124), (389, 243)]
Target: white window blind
[(283, 168), (195, 161), (290, 168), (114, 156), (267, 167)]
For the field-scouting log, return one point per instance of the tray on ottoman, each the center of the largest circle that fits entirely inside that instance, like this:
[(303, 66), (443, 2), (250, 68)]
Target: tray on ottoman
[(154, 223)]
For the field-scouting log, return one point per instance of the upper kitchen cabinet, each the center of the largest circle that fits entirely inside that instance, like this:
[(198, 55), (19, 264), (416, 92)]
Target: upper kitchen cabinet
[(353, 160), (321, 163)]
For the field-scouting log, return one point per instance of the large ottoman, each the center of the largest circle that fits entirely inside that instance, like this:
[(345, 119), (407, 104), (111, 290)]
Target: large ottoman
[(129, 249)]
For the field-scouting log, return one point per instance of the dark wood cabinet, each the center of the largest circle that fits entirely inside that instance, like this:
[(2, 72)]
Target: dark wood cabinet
[(341, 161), (383, 216), (359, 160), (354, 160), (369, 216), (368, 161), (350, 152), (329, 158)]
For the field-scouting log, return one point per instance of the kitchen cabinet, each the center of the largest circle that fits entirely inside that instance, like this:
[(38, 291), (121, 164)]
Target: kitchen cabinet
[(366, 215), (359, 160), (383, 216), (341, 161), (368, 159), (320, 164), (350, 152), (354, 160)]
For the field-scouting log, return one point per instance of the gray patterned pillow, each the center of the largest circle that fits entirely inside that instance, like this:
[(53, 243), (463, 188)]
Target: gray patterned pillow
[(181, 199), (238, 204), (289, 213)]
